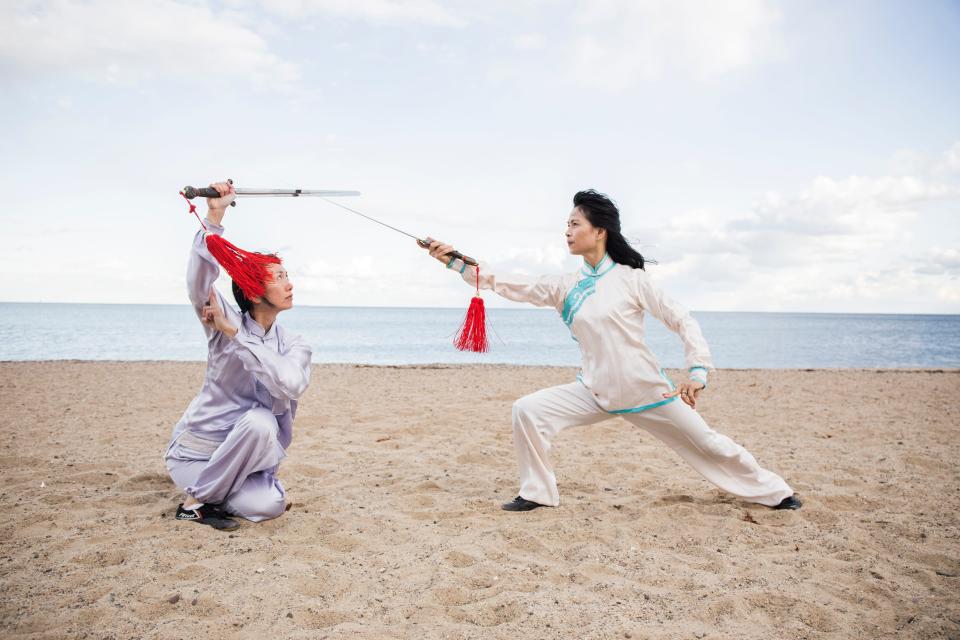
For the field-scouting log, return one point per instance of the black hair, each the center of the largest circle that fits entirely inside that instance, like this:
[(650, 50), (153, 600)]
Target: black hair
[(601, 212), (245, 305)]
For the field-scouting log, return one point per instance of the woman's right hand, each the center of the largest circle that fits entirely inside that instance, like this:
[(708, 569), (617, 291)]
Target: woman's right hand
[(216, 207), (439, 250)]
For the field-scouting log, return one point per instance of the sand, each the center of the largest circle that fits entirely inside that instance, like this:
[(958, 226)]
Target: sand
[(396, 475)]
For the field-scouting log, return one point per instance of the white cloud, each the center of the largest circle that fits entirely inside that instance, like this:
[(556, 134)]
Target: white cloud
[(838, 243), (631, 40), (126, 42), (834, 220), (951, 159), (415, 11), (939, 261)]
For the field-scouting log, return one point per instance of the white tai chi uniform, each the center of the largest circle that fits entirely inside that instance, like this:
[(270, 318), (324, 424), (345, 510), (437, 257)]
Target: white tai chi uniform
[(228, 445), (604, 308)]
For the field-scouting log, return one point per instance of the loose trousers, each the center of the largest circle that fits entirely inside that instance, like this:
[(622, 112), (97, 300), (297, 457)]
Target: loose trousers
[(539, 417), (239, 474)]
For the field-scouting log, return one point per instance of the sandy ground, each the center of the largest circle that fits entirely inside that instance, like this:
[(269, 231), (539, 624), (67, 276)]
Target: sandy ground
[(396, 475)]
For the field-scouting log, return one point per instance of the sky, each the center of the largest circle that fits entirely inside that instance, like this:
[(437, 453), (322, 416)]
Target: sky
[(769, 156)]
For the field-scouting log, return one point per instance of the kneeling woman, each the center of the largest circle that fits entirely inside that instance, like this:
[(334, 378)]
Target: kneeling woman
[(228, 445), (603, 305)]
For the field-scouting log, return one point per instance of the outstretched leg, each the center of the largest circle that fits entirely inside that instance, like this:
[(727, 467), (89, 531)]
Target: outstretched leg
[(715, 456)]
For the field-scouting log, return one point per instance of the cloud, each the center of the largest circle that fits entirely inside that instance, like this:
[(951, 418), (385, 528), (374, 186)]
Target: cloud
[(627, 41), (127, 42), (939, 261), (830, 211), (837, 243), (950, 162), (415, 11)]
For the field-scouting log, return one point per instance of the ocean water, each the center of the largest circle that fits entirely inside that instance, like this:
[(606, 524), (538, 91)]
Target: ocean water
[(371, 335)]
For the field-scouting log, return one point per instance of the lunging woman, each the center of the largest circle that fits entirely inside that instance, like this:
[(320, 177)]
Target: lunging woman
[(603, 304)]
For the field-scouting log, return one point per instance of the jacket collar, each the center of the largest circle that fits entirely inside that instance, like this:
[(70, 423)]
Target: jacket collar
[(606, 264)]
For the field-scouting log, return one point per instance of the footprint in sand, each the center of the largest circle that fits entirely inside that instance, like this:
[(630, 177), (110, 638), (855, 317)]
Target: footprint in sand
[(419, 501), (324, 619), (779, 607), (149, 481), (318, 585), (460, 560), (101, 558), (308, 470), (487, 614), (341, 543), (678, 498), (846, 503), (455, 596)]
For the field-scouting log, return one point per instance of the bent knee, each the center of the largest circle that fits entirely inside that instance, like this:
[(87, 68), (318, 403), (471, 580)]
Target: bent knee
[(257, 509), (260, 422), (268, 512), (524, 408)]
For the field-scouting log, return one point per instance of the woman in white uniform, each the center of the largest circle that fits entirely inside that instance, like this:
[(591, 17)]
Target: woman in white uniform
[(603, 304)]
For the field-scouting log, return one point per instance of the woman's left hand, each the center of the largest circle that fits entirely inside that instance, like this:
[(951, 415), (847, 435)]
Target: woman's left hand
[(688, 392), (213, 316)]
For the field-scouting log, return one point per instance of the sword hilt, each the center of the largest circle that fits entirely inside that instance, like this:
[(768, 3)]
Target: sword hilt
[(453, 254), (204, 192)]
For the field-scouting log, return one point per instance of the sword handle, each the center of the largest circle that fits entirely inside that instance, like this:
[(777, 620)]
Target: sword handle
[(203, 192), (453, 254)]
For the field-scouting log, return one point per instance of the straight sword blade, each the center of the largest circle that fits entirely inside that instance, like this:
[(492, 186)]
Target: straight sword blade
[(294, 193)]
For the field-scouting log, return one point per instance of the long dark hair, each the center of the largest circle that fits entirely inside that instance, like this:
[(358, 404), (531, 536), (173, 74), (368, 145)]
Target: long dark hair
[(601, 212), (245, 305)]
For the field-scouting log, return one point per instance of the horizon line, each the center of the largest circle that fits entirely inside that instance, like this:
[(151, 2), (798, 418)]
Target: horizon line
[(321, 306)]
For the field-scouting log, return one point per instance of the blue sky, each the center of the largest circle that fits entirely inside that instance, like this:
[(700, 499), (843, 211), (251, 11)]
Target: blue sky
[(770, 155)]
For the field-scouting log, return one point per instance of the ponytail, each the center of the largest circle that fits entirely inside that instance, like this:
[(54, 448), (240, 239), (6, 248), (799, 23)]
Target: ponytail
[(602, 213)]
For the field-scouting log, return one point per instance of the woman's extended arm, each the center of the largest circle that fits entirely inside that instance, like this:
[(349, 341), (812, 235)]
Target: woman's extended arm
[(542, 291)]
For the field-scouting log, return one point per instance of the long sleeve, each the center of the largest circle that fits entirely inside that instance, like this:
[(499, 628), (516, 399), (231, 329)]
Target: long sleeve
[(287, 375), (542, 291), (202, 273), (676, 318)]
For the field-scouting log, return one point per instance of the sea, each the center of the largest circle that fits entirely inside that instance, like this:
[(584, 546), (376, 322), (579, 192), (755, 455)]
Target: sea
[(406, 336)]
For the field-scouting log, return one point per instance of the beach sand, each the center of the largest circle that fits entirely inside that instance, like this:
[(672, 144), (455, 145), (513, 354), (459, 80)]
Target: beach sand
[(396, 475)]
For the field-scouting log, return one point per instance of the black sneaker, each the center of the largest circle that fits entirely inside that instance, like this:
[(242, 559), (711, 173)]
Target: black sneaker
[(792, 503), (207, 514), (520, 504)]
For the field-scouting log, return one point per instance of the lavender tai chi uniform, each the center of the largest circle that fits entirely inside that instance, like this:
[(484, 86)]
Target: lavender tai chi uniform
[(228, 445)]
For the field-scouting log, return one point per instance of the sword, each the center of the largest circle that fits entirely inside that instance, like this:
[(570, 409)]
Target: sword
[(425, 243), (209, 192)]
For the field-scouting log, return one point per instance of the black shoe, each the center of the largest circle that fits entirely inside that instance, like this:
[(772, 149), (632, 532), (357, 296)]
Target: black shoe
[(793, 502), (207, 514), (520, 504)]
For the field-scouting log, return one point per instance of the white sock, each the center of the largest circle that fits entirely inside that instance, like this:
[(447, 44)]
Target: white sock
[(191, 507)]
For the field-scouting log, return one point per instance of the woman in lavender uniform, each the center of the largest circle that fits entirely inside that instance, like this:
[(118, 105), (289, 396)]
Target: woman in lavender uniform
[(227, 447)]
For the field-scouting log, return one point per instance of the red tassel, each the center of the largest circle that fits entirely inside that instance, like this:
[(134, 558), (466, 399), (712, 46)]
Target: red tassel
[(248, 269), (472, 336)]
